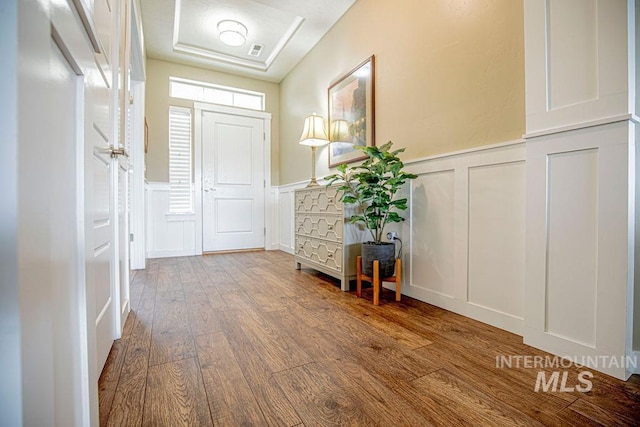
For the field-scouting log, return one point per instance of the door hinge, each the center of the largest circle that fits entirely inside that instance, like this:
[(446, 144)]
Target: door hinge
[(264, 183), (264, 136), (265, 231), (131, 237)]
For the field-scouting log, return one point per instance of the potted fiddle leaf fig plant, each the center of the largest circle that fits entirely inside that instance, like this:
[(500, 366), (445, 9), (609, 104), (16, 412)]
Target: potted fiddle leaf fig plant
[(372, 186)]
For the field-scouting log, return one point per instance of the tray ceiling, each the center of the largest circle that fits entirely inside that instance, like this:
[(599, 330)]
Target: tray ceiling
[(185, 31)]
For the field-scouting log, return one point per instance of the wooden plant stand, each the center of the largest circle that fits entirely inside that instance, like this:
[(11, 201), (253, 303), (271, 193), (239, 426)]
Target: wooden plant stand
[(376, 281)]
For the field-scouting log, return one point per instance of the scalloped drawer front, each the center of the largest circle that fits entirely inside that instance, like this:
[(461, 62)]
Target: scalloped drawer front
[(327, 254), (322, 227), (318, 200)]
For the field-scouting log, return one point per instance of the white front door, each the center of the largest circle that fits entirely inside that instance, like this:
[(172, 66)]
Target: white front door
[(233, 182)]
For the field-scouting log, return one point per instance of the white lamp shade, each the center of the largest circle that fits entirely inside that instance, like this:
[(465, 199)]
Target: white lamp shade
[(314, 134), (340, 131), (232, 33)]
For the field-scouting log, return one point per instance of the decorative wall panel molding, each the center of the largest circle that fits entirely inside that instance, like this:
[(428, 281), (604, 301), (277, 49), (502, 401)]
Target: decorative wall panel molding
[(167, 235), (572, 247), (580, 255), (464, 235), (286, 215), (581, 83), (496, 237), (272, 221), (576, 61)]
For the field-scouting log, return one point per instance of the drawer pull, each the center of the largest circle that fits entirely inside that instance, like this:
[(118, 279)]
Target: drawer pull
[(331, 227), (330, 256)]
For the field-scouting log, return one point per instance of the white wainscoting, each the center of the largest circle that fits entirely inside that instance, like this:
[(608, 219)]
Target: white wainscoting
[(286, 215), (581, 70), (168, 235), (580, 230), (463, 235), (272, 221)]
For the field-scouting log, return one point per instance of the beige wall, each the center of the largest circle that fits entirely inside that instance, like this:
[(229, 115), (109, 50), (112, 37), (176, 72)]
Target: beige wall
[(158, 102), (449, 76)]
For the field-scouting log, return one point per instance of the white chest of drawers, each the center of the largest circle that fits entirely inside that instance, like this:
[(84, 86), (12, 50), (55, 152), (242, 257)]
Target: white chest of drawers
[(324, 239)]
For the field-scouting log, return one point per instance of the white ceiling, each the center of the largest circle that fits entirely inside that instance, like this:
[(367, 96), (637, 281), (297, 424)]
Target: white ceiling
[(185, 31)]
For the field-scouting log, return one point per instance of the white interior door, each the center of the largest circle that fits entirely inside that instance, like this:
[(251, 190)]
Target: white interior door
[(85, 111), (99, 242), (123, 235), (101, 173), (233, 182)]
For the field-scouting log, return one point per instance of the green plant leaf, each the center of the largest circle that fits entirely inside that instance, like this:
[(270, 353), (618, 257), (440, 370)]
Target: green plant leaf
[(372, 186)]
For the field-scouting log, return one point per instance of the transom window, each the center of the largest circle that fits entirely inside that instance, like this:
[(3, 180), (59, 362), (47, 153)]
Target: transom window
[(215, 94)]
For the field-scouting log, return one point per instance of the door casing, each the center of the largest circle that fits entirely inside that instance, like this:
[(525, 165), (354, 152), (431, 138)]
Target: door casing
[(199, 108)]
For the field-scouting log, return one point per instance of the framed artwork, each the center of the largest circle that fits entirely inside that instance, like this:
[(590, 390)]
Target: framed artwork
[(351, 114), (146, 136)]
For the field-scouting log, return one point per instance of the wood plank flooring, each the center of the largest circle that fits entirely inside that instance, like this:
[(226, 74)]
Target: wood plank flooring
[(246, 340)]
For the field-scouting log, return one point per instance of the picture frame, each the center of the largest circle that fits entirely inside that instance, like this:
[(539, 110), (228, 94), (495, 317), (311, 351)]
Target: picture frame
[(352, 113)]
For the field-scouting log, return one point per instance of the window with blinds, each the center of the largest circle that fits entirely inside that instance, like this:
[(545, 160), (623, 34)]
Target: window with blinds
[(180, 198)]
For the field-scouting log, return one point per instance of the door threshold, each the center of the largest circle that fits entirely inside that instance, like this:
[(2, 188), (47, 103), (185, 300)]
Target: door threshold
[(233, 251)]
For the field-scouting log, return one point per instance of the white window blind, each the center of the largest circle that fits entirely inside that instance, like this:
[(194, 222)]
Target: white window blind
[(180, 199)]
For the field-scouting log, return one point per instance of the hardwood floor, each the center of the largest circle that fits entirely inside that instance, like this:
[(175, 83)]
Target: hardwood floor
[(245, 339)]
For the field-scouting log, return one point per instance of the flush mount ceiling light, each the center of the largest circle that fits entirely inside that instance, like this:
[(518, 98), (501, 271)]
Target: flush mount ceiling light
[(232, 33)]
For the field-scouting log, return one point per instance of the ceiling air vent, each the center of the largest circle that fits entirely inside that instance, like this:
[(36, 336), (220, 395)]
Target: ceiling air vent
[(256, 49)]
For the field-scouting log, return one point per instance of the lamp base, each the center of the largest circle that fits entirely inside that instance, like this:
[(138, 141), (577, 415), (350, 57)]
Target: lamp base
[(313, 182)]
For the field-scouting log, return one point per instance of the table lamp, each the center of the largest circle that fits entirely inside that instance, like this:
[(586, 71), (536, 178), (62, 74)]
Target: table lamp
[(313, 135)]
